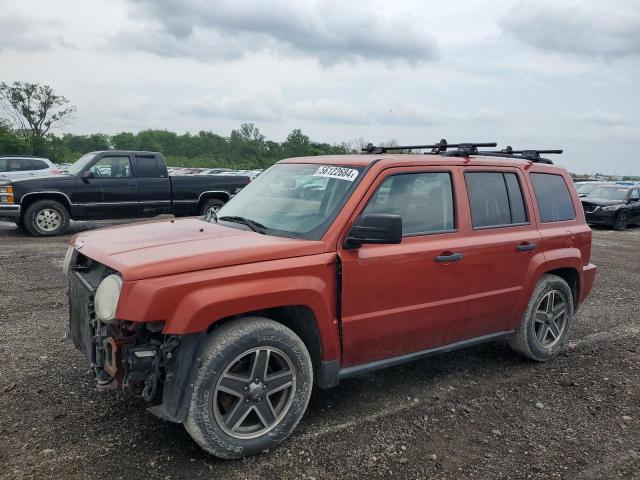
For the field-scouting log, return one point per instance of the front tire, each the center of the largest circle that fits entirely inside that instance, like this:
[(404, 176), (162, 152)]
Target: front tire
[(547, 321), (251, 390), (46, 218), (211, 205), (621, 221)]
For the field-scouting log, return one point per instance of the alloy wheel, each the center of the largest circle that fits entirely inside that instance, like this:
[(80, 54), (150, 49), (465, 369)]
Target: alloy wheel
[(212, 209), (48, 219), (550, 319), (254, 393)]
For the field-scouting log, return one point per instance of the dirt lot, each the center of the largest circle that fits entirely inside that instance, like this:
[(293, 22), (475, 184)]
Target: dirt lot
[(478, 413)]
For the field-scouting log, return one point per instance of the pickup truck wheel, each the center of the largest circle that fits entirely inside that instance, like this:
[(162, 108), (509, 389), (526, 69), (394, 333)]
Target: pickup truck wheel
[(211, 205), (546, 323), (46, 218), (251, 390), (620, 223)]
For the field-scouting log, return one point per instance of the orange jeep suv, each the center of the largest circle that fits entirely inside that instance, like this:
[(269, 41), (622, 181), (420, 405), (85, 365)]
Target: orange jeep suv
[(325, 267)]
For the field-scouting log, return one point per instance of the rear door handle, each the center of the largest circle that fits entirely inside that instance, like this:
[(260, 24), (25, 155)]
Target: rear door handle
[(133, 183), (526, 247), (449, 257)]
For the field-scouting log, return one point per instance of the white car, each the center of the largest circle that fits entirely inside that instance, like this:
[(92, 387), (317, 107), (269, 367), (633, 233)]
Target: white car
[(585, 188), (21, 167)]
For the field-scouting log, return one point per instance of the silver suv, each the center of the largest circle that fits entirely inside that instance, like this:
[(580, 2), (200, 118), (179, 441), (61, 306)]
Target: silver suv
[(21, 166)]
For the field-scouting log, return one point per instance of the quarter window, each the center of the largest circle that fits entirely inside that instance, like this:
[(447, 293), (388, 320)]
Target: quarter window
[(553, 198), (423, 200), (495, 199), (149, 167)]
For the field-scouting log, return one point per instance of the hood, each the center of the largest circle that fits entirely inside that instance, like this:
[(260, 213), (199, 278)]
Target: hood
[(41, 179), (159, 248), (601, 202)]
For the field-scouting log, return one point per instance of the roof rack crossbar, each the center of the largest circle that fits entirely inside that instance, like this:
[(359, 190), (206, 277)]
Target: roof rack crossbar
[(439, 147)]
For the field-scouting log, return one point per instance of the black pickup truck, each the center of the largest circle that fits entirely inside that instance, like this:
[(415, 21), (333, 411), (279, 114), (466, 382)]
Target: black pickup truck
[(108, 185)]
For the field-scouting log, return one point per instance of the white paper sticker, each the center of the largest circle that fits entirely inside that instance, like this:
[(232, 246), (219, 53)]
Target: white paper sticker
[(341, 173)]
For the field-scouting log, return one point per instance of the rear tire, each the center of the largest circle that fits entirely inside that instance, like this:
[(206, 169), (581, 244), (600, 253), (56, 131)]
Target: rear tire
[(620, 223), (545, 325), (46, 218), (252, 388), (214, 204)]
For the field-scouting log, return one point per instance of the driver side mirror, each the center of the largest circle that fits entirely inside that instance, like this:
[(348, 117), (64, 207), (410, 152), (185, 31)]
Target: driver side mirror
[(87, 174), (377, 228)]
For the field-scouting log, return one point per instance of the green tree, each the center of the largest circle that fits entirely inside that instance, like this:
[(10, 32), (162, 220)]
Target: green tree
[(10, 143), (296, 145), (33, 110)]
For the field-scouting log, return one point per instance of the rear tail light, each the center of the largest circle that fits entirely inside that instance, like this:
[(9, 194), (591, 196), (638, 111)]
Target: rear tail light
[(55, 171)]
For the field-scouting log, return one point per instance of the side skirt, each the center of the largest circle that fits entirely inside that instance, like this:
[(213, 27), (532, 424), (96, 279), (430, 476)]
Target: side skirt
[(390, 362)]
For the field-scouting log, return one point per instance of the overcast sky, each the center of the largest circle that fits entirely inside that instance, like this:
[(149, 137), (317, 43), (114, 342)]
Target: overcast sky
[(531, 74)]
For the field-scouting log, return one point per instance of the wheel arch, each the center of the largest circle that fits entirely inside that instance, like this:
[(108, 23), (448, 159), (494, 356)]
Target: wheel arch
[(218, 194), (303, 322), (565, 263), (299, 318), (29, 199), (572, 277)]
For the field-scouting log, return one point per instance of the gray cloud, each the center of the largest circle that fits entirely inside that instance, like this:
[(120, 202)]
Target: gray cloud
[(245, 105), (591, 28), (329, 30), (20, 34)]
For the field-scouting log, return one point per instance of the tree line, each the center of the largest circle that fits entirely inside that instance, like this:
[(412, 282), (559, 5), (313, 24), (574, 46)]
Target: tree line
[(29, 111)]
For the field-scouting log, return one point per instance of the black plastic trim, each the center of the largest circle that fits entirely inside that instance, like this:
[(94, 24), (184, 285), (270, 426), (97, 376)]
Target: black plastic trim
[(390, 362)]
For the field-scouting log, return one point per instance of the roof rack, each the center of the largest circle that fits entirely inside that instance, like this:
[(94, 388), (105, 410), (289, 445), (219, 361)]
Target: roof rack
[(440, 147), (531, 155), (466, 149)]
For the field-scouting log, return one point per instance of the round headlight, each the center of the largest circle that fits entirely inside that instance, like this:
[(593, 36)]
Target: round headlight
[(107, 297), (67, 261)]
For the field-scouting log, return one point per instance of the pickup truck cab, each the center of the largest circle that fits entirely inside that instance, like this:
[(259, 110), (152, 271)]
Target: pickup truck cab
[(322, 268), (108, 185)]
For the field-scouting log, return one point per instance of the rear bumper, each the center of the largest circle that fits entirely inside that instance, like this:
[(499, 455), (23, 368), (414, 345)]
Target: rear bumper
[(10, 211), (588, 278)]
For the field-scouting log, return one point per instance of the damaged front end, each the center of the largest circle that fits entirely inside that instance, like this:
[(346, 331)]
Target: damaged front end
[(122, 354)]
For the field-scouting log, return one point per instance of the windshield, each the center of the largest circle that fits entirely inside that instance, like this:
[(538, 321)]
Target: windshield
[(586, 187), (293, 200), (79, 164), (609, 193)]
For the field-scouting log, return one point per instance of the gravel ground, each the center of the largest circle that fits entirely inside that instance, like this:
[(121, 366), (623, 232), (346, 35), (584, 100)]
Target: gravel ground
[(479, 413)]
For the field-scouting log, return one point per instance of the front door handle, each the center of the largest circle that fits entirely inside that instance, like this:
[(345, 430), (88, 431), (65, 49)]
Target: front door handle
[(449, 257), (525, 247), (133, 183)]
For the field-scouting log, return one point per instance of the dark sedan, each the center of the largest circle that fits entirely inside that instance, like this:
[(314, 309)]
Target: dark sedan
[(613, 205)]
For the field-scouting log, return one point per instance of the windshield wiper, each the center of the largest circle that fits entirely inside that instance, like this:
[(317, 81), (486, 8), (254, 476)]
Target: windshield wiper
[(255, 226)]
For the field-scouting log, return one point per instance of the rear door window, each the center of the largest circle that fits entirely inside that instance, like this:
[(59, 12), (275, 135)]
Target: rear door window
[(495, 199), (39, 165), (553, 197), (14, 164)]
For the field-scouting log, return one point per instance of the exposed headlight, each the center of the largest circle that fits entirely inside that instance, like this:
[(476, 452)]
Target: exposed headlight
[(613, 207), (67, 261), (107, 297)]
